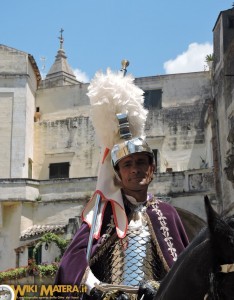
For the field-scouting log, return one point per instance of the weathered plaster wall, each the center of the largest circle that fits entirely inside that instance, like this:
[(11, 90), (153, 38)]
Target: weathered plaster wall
[(18, 190), (66, 140), (13, 61), (222, 82), (59, 212), (9, 235), (62, 100), (179, 135), (6, 102), (184, 88), (177, 131), (17, 105)]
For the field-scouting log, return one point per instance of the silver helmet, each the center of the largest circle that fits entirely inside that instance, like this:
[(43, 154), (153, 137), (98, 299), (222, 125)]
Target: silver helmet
[(128, 147)]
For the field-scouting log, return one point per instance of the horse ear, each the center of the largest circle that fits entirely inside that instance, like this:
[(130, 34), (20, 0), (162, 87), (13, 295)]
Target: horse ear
[(221, 234), (212, 216)]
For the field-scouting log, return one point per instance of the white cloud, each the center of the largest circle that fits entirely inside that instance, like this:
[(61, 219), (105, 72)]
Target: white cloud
[(81, 76), (192, 60)]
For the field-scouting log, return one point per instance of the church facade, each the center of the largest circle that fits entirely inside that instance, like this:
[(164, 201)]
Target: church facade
[(49, 155)]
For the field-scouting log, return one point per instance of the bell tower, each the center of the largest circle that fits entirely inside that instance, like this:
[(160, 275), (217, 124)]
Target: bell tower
[(60, 73)]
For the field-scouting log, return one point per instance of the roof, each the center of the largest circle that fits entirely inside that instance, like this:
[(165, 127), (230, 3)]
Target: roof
[(36, 231), (35, 67), (30, 57), (60, 71), (221, 12)]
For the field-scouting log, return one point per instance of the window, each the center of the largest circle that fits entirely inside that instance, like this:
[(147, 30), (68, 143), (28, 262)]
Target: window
[(153, 99), (157, 159), (38, 254), (230, 137), (59, 170), (155, 151), (29, 168), (231, 22)]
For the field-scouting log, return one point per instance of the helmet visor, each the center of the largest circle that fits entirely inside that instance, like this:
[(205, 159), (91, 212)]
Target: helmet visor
[(128, 147)]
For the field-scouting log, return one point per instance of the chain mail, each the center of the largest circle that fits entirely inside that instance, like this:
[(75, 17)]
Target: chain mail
[(132, 259)]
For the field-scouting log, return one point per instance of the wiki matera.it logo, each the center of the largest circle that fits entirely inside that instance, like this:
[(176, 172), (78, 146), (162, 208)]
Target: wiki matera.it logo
[(6, 292)]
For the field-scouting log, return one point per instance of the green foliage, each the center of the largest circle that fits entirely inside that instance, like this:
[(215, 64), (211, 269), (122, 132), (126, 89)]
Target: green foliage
[(46, 270), (209, 57), (32, 269), (51, 237), (13, 274)]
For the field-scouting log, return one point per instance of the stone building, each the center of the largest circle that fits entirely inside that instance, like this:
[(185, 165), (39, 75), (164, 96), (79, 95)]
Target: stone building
[(222, 81), (49, 155)]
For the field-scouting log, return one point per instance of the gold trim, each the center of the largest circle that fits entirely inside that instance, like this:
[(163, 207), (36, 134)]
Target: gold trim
[(85, 276), (155, 241), (168, 239), (106, 242)]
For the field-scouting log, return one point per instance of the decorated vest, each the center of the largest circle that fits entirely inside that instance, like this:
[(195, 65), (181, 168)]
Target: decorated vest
[(134, 258)]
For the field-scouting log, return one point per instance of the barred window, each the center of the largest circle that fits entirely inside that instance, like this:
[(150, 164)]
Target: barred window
[(59, 170), (153, 99)]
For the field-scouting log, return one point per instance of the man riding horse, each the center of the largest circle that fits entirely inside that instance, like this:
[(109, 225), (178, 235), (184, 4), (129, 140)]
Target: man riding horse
[(136, 237)]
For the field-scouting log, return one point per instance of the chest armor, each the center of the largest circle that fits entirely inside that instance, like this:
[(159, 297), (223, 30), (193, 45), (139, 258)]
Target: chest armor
[(132, 259)]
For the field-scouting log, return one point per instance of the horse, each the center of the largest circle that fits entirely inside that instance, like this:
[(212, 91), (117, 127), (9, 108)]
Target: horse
[(205, 270)]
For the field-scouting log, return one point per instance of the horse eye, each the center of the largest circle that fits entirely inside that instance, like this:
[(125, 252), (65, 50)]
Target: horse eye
[(231, 222)]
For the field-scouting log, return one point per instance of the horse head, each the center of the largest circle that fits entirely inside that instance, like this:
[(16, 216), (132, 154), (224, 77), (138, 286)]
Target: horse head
[(205, 269), (221, 236)]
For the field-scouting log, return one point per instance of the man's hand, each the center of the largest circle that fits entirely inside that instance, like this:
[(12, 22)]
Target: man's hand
[(122, 296), (96, 294), (147, 290)]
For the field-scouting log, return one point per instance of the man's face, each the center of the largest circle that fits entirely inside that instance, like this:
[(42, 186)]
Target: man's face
[(135, 171)]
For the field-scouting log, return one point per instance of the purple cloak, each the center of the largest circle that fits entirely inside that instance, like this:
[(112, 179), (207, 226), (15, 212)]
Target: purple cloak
[(167, 229)]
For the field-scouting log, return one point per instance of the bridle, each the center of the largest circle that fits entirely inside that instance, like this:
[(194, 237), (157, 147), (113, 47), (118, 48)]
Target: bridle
[(226, 268)]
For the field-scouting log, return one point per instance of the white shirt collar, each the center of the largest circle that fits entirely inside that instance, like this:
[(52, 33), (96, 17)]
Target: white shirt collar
[(133, 201)]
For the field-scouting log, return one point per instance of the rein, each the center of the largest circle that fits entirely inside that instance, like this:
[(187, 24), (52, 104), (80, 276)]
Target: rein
[(227, 268)]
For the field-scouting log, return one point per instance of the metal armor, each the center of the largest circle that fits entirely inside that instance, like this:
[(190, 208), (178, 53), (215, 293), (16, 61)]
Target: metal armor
[(130, 260)]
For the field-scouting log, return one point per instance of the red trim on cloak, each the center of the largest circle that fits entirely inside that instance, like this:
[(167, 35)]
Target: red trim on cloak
[(113, 203), (106, 152)]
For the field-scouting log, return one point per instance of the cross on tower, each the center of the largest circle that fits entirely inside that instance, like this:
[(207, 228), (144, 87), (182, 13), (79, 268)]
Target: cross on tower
[(61, 38)]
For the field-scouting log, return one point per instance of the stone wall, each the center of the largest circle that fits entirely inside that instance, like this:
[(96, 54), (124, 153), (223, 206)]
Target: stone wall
[(178, 89), (6, 103), (13, 61), (18, 84), (222, 83), (179, 135), (66, 140)]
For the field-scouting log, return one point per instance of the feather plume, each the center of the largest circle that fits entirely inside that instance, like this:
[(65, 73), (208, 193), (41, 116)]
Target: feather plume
[(110, 94)]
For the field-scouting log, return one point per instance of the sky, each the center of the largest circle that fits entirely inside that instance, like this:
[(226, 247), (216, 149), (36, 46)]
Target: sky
[(157, 37)]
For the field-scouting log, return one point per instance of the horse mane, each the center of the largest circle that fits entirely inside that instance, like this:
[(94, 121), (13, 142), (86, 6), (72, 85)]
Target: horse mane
[(221, 229), (199, 243), (197, 269)]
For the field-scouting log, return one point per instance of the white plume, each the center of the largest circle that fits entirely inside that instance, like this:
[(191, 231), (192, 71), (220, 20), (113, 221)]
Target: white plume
[(110, 94)]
